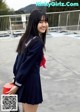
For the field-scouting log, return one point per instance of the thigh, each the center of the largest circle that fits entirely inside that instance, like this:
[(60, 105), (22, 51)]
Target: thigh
[(29, 107)]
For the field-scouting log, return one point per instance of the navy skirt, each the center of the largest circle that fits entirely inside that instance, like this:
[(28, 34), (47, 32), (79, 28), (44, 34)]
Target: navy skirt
[(31, 92)]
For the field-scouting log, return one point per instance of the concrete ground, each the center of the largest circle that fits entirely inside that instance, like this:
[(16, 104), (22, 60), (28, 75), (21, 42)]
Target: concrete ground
[(61, 78)]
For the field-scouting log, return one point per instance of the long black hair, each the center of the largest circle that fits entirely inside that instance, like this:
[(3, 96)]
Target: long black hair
[(31, 29)]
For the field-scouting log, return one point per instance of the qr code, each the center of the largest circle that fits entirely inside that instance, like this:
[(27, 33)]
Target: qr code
[(9, 103)]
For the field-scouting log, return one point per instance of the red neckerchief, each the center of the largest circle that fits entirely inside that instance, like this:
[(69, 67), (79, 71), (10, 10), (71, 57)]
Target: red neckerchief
[(43, 62)]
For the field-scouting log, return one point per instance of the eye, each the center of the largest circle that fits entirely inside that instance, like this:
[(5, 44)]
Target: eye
[(43, 21), (46, 22), (40, 21)]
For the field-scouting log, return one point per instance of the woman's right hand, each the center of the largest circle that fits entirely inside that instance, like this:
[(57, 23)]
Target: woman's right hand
[(13, 90)]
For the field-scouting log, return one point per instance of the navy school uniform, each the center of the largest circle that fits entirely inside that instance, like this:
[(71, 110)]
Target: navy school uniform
[(27, 73)]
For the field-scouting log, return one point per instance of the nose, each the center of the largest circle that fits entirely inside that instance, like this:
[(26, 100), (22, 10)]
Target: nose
[(44, 23)]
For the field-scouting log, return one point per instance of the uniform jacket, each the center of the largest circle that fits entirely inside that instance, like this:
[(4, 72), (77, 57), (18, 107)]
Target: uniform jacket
[(28, 63)]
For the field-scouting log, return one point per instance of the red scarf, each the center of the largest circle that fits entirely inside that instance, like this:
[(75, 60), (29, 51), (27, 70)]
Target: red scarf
[(43, 62)]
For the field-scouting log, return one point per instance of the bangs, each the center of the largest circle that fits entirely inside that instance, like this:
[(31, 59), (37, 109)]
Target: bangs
[(44, 18), (36, 16), (41, 17)]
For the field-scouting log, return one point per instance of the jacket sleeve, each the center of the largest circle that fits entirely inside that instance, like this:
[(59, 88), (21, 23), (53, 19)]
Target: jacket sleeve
[(14, 67), (34, 53)]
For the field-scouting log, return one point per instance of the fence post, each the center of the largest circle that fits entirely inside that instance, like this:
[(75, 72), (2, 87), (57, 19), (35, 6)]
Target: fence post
[(67, 20), (59, 18), (78, 22), (10, 27)]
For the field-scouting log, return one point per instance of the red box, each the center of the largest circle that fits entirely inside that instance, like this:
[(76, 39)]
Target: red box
[(7, 87)]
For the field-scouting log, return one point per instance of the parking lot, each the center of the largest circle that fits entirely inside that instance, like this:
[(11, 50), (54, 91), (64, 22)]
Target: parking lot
[(61, 78)]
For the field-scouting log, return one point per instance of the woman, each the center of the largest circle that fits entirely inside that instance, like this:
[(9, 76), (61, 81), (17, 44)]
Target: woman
[(27, 65)]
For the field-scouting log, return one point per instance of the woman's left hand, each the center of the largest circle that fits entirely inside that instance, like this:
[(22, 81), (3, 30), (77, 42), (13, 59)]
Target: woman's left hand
[(13, 90)]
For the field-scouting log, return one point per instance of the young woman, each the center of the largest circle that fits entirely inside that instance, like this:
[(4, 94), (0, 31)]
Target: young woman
[(27, 65)]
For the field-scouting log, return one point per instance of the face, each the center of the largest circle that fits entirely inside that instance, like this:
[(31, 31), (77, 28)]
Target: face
[(42, 26)]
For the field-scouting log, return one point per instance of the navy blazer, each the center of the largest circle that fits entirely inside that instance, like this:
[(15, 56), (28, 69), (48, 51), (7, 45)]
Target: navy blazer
[(28, 63)]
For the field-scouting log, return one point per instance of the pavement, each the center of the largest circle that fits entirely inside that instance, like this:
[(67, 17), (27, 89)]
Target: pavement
[(61, 78)]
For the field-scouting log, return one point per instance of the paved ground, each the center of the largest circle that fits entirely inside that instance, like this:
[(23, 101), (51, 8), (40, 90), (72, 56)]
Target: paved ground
[(61, 78)]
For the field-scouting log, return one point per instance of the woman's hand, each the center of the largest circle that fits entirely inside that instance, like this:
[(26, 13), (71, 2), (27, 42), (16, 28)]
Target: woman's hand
[(13, 90)]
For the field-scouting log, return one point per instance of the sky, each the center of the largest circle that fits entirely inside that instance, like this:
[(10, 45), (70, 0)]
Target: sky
[(17, 4)]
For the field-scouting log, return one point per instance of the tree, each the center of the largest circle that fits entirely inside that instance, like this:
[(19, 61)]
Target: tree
[(4, 10)]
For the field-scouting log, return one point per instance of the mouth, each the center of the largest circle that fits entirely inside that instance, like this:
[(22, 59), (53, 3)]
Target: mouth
[(43, 28)]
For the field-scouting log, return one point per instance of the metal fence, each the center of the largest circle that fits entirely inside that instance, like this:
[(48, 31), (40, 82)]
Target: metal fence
[(65, 20)]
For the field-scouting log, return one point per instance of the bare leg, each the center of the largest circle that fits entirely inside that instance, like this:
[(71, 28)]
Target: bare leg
[(23, 106), (29, 107)]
